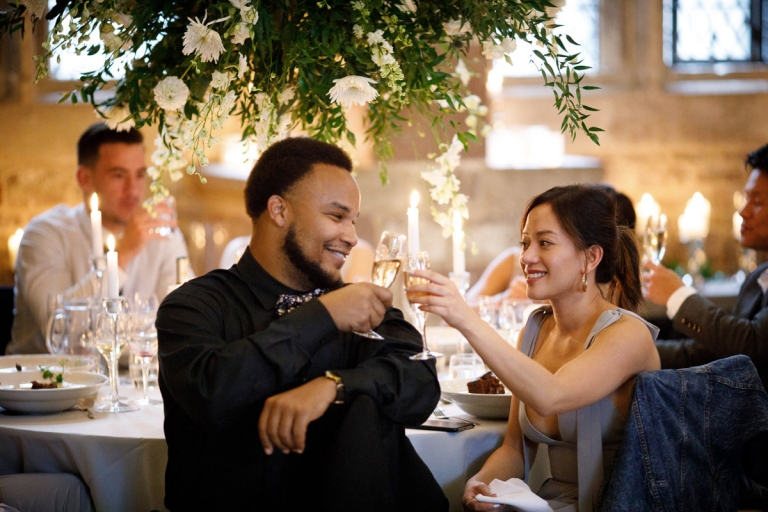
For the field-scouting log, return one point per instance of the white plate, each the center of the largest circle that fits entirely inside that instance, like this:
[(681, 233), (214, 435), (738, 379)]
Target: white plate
[(55, 363), (481, 406), (16, 393)]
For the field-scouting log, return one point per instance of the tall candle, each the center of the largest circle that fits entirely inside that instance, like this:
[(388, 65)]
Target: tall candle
[(646, 208), (459, 264), (413, 224), (96, 237), (13, 246), (112, 278)]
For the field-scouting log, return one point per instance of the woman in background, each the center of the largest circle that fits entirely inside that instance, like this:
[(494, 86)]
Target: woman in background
[(582, 350)]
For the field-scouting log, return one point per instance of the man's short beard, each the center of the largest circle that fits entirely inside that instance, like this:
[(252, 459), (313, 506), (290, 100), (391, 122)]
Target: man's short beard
[(314, 273)]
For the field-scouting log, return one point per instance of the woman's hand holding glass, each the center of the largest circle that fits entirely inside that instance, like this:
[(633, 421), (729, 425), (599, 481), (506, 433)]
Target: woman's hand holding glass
[(439, 295)]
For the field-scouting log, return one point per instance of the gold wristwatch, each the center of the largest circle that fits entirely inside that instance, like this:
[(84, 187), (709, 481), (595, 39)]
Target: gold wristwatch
[(339, 386)]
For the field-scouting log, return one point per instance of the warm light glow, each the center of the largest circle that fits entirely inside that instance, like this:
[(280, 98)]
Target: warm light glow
[(694, 222), (494, 82), (13, 246), (94, 202), (111, 243), (737, 220), (646, 208), (414, 199)]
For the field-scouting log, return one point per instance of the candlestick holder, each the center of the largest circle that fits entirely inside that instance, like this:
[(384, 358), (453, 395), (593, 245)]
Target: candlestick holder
[(98, 273), (111, 336), (696, 260)]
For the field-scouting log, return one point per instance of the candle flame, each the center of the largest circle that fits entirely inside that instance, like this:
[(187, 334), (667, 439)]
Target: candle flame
[(414, 199), (94, 202), (111, 243)]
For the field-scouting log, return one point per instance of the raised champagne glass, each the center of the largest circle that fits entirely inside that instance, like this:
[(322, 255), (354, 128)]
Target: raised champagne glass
[(419, 261), (655, 238), (386, 265)]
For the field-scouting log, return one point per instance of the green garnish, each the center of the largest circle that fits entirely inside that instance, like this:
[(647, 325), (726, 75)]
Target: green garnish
[(48, 374)]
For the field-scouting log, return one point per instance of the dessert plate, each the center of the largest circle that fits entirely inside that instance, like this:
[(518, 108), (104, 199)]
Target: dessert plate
[(481, 406)]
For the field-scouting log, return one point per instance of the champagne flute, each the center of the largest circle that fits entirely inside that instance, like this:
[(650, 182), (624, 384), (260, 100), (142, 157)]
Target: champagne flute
[(655, 238), (111, 333), (386, 265), (143, 343), (419, 261)]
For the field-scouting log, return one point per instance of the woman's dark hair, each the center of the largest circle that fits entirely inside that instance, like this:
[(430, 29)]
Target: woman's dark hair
[(98, 134), (588, 216), (283, 164)]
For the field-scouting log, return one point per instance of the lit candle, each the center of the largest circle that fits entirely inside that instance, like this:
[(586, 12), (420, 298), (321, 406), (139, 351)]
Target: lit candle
[(96, 236), (459, 265), (737, 220), (13, 246), (645, 209), (413, 224), (694, 222), (112, 278)]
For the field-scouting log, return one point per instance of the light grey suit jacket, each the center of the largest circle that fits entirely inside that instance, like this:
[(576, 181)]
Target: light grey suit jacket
[(714, 334)]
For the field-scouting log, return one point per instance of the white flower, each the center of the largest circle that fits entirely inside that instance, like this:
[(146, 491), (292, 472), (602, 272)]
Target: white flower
[(250, 15), (113, 42), (241, 33), (462, 72), (171, 93), (241, 4), (472, 101), (382, 59), (202, 40), (35, 7), (471, 122), (509, 44), (408, 4), (492, 50), (242, 66), (352, 90), (456, 28), (228, 102), (119, 118), (375, 37), (286, 95), (220, 80), (358, 31)]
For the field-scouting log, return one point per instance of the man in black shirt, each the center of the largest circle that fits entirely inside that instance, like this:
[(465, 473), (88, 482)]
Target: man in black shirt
[(271, 401)]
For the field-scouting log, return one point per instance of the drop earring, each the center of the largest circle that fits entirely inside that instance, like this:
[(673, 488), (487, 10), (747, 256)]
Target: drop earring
[(584, 282)]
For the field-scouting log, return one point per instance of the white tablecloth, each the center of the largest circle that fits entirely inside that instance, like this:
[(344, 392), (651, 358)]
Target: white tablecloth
[(122, 457)]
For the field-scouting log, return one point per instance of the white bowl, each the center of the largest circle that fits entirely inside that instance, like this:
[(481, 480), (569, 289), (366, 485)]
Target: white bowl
[(479, 405), (16, 393), (55, 363)]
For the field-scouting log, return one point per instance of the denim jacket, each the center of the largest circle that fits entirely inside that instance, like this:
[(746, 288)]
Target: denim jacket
[(685, 438)]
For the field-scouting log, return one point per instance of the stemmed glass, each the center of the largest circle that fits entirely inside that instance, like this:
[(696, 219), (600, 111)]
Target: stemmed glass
[(111, 332), (386, 264), (419, 261), (655, 238), (143, 342)]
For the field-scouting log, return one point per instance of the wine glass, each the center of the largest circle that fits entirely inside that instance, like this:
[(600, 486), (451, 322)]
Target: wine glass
[(655, 238), (143, 343), (111, 332), (386, 265), (419, 261)]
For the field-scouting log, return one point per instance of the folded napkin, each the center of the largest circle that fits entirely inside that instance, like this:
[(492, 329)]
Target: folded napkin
[(515, 492)]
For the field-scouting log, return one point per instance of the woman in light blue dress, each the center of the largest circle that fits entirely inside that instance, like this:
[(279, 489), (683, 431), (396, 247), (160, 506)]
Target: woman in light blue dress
[(576, 359)]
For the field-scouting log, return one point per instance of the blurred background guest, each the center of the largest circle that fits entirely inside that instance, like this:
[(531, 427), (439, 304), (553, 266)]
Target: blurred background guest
[(55, 251), (712, 333)]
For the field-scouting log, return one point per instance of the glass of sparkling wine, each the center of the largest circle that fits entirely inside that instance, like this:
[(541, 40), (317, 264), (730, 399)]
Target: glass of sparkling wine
[(111, 332), (655, 239), (143, 342), (419, 261), (386, 265)]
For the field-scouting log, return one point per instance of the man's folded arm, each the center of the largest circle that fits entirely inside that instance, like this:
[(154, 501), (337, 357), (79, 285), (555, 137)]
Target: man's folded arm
[(406, 391), (217, 381)]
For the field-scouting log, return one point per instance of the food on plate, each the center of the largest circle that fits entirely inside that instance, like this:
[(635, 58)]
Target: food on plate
[(488, 384), (44, 385)]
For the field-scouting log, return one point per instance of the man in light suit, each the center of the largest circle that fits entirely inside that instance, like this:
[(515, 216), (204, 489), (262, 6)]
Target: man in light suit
[(713, 333)]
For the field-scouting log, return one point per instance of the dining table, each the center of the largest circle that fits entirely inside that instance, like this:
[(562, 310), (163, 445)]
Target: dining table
[(122, 456)]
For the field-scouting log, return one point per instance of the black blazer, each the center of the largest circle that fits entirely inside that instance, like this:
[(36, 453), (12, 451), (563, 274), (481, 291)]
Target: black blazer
[(715, 334)]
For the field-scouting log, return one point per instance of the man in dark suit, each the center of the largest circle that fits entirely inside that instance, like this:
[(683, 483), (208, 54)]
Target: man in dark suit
[(713, 333)]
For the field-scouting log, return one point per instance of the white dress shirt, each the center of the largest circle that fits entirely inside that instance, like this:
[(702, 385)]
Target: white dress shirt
[(54, 257)]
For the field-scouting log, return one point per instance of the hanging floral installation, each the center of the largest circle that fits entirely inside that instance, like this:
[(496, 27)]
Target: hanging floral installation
[(288, 65)]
